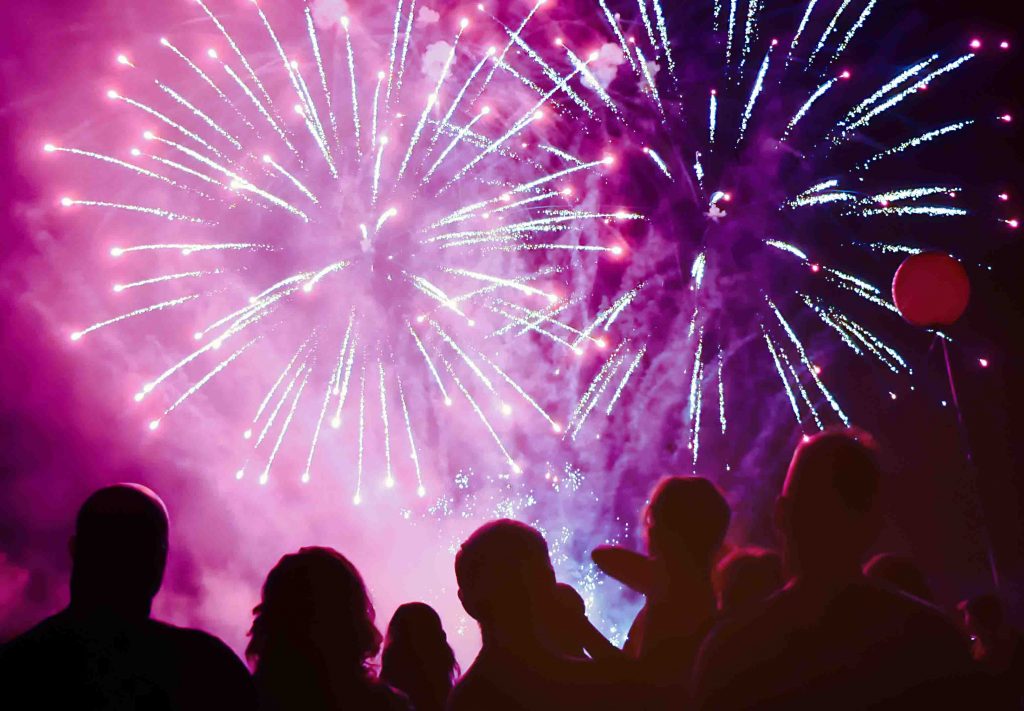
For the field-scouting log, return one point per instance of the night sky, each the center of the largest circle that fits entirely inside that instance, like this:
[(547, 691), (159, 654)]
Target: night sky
[(60, 437)]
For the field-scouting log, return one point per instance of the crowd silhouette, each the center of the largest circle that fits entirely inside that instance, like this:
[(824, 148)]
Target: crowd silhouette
[(816, 625)]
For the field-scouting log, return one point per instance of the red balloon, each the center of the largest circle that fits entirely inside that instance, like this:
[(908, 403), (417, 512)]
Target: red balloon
[(931, 289)]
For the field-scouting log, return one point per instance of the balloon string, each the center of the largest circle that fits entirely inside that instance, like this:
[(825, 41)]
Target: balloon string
[(956, 401), (965, 438)]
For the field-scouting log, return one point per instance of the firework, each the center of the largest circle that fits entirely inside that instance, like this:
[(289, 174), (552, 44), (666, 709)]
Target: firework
[(777, 167), (354, 208)]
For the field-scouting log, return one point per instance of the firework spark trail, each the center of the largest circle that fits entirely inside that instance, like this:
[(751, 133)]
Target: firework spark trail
[(206, 78), (50, 148), (802, 26), (663, 33), (613, 23), (342, 391), (163, 118), (394, 48), (265, 476), (358, 497), (199, 114), (905, 94), (212, 345), (625, 379), (238, 52), (128, 207), (722, 419), (389, 480), (516, 469), (405, 44), (829, 29), (204, 380), (536, 318), (273, 388), (328, 393), (263, 111), (865, 291), (533, 327), (650, 80), (615, 361), (350, 55), (886, 88), (509, 69), (522, 393), (695, 399), (119, 287), (315, 45), (854, 29), (508, 46), (77, 335), (731, 32), (712, 117), (552, 74), (915, 142), (809, 365), (800, 388), (457, 101), (819, 92), (527, 118), (238, 182), (291, 178), (856, 336), (750, 28), (754, 94), (594, 391), (465, 357), (782, 374), (421, 491), (276, 410)]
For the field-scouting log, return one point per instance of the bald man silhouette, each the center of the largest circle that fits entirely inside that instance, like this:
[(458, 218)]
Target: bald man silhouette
[(104, 651)]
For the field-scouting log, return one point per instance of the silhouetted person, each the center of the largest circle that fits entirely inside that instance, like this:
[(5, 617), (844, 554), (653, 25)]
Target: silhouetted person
[(685, 524), (417, 659), (900, 572), (104, 651), (832, 638), (507, 584), (313, 638), (746, 577), (997, 648)]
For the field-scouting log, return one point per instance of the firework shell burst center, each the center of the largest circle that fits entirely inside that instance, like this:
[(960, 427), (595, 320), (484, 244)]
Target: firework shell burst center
[(367, 207)]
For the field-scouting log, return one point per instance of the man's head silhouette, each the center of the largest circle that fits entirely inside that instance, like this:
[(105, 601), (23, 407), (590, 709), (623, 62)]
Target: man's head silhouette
[(119, 550), (505, 576), (828, 512), (686, 521)]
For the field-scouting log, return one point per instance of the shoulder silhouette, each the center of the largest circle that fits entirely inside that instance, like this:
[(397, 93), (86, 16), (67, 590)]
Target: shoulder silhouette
[(104, 651)]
